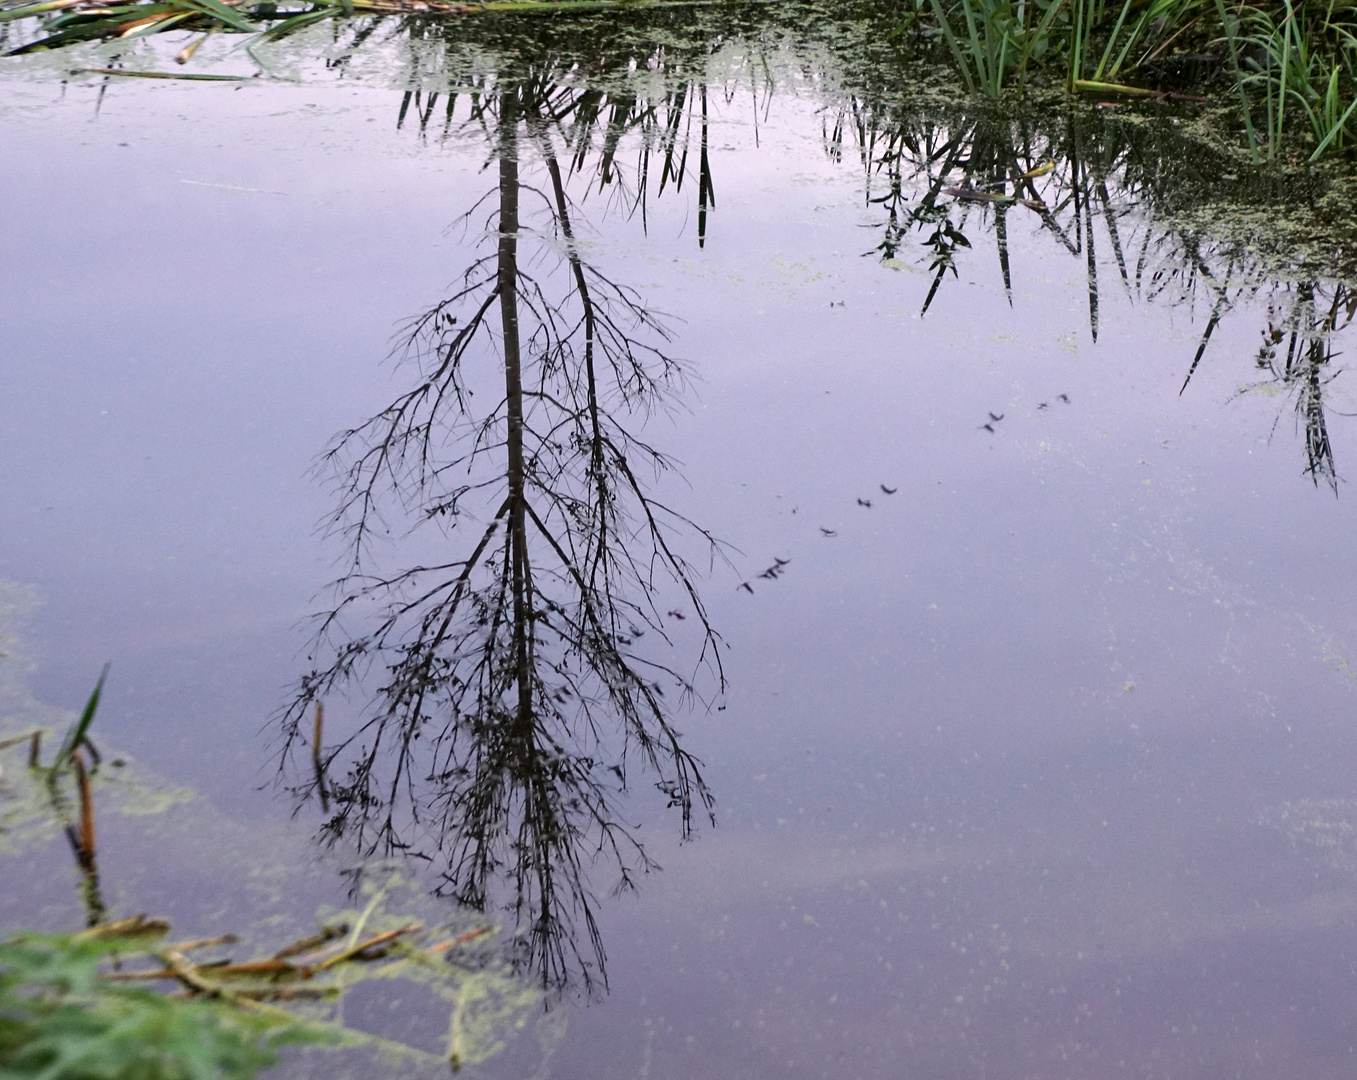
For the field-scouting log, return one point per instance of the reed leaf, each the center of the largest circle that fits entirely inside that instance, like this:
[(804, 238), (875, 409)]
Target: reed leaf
[(79, 731)]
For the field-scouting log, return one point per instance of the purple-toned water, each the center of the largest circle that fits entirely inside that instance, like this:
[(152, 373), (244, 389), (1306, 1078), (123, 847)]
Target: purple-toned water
[(1043, 765)]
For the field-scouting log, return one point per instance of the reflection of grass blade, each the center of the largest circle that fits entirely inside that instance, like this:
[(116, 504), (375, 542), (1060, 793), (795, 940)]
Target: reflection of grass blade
[(706, 194), (1110, 217), (1001, 241), (1318, 449), (187, 76), (317, 760), (27, 736), (932, 290), (1092, 268), (1206, 338)]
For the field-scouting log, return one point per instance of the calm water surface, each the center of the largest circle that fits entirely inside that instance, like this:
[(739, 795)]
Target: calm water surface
[(1041, 765)]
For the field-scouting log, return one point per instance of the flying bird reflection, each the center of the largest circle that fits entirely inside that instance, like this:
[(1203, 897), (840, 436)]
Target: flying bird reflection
[(775, 571), (772, 573)]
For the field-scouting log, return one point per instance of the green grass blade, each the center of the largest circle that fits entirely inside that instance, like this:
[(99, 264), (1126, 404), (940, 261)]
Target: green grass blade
[(161, 24), (306, 18), (946, 27), (1043, 29), (221, 13), (1335, 131), (29, 10), (1230, 32), (1003, 58), (1286, 68), (105, 15), (1112, 41), (1076, 43), (76, 735), (982, 74), (83, 32), (1131, 39)]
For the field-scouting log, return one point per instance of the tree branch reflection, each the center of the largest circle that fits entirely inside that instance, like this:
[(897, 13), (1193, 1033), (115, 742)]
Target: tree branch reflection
[(515, 693)]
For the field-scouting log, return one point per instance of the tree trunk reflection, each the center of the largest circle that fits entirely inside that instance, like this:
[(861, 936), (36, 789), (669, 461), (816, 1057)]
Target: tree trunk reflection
[(514, 692)]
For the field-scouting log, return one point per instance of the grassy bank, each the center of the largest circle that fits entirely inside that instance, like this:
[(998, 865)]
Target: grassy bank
[(1290, 65)]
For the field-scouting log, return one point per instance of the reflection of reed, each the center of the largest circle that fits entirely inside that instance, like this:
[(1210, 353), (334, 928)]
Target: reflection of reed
[(80, 833), (1306, 325), (1060, 174), (934, 179), (514, 692)]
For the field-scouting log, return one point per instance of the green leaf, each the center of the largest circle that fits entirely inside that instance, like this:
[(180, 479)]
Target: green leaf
[(77, 732), (59, 1021), (306, 18), (222, 13), (83, 32)]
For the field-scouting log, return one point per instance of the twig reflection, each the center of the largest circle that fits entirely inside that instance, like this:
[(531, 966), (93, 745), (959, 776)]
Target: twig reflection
[(515, 694)]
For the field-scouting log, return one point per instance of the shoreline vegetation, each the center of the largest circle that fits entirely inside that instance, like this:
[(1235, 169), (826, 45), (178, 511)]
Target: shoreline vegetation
[(123, 1000), (1287, 69)]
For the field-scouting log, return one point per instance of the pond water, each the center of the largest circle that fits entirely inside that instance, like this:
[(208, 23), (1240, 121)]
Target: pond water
[(1035, 754)]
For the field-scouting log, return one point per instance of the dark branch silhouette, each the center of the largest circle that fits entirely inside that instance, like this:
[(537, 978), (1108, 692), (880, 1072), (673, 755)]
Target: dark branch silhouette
[(513, 693)]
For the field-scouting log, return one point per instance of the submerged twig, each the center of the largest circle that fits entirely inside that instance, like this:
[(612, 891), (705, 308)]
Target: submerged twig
[(184, 75)]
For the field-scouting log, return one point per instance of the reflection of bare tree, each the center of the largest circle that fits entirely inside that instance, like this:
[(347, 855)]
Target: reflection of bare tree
[(514, 690), (592, 124)]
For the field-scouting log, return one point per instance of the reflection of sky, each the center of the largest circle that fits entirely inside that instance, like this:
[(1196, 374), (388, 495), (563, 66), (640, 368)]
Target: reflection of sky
[(1010, 765)]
